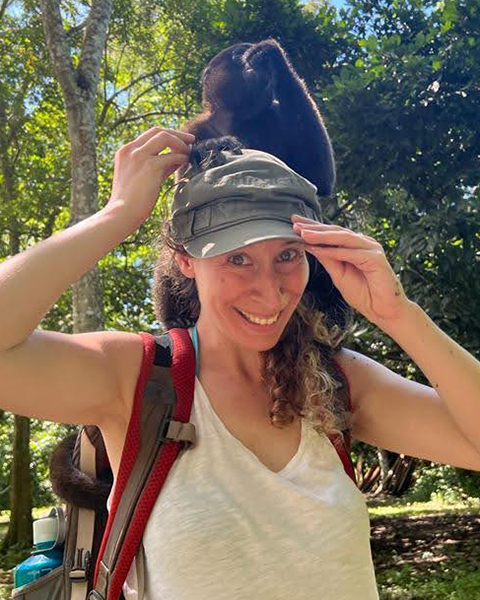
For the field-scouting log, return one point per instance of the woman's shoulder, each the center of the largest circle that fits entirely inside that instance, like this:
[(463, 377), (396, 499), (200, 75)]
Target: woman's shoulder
[(125, 351), (355, 367)]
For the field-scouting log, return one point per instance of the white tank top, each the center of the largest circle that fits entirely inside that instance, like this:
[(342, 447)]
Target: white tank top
[(226, 527)]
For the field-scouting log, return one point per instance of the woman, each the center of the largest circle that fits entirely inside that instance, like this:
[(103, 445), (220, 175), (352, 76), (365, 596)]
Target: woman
[(248, 296)]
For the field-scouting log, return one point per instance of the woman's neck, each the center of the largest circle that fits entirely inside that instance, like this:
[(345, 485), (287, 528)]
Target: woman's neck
[(219, 353)]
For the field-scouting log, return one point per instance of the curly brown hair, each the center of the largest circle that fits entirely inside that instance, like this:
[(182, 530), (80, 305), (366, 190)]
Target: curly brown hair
[(315, 331)]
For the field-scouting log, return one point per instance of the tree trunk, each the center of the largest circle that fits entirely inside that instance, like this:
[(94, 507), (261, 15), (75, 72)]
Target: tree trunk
[(20, 525), (396, 472), (79, 86), (87, 292), (384, 460)]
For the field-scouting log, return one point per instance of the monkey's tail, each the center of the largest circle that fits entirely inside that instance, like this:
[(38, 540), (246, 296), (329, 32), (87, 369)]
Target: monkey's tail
[(72, 485)]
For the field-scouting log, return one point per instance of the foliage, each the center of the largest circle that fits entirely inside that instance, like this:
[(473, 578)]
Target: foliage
[(44, 437), (16, 554), (457, 581), (32, 159), (402, 114), (444, 482), (397, 84), (367, 453)]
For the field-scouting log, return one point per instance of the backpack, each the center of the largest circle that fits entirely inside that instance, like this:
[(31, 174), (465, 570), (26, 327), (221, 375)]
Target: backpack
[(101, 545)]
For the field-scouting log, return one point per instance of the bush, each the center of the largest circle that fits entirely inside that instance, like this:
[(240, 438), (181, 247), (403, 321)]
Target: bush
[(438, 481), (44, 436)]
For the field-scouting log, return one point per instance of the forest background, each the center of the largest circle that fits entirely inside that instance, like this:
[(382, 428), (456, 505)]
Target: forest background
[(397, 83)]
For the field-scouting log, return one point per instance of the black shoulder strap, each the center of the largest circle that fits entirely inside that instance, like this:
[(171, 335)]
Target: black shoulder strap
[(163, 350)]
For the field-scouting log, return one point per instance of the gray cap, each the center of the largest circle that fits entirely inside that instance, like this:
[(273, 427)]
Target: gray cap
[(246, 196)]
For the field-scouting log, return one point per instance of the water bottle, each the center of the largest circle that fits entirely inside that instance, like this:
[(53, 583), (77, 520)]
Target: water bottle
[(47, 552)]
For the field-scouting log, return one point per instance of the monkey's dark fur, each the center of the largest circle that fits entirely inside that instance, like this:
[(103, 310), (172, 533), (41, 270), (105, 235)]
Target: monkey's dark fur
[(74, 486), (252, 92), (77, 488)]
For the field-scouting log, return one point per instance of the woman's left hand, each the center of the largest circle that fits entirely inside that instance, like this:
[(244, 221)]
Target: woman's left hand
[(358, 267)]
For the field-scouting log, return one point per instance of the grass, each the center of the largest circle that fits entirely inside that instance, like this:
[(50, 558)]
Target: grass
[(458, 581), (391, 507), (452, 576)]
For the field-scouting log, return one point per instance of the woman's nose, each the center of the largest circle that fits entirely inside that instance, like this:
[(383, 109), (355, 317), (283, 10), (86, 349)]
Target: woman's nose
[(269, 288)]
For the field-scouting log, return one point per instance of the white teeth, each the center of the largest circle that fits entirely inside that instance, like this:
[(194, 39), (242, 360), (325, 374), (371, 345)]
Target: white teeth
[(258, 320)]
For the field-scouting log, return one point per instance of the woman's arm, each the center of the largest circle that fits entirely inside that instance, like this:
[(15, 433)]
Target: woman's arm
[(453, 372), (442, 422), (62, 377)]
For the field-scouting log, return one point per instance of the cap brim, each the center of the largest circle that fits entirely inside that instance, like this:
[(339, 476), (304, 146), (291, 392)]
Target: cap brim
[(240, 235)]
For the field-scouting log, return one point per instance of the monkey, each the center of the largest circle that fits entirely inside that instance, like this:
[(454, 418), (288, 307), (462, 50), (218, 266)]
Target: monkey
[(252, 92)]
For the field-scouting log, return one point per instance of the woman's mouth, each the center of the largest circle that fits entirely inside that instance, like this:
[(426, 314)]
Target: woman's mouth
[(256, 320)]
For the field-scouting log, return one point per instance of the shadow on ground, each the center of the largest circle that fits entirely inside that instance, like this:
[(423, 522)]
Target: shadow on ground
[(425, 541)]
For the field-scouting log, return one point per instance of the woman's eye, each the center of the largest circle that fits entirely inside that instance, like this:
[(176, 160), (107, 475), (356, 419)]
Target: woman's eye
[(289, 255), (237, 259)]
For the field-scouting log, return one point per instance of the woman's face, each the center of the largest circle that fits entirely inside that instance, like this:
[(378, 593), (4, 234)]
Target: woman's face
[(249, 294)]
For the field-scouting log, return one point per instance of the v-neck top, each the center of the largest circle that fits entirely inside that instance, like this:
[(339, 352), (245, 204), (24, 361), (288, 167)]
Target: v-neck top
[(225, 431), (225, 526)]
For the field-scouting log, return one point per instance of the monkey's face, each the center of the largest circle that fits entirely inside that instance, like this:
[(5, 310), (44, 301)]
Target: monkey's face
[(248, 296)]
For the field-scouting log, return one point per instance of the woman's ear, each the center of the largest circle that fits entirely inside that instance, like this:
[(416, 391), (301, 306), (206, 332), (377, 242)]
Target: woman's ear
[(185, 264)]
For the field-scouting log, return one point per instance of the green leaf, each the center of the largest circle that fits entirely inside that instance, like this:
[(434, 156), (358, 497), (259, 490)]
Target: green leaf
[(446, 26)]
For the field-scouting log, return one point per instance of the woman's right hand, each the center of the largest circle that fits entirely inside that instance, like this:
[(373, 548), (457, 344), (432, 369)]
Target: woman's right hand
[(140, 170)]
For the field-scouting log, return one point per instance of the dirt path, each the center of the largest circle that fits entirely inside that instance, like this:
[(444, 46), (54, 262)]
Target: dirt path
[(425, 541)]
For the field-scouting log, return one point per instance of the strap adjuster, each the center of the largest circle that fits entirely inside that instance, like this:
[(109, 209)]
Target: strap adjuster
[(79, 571), (176, 431)]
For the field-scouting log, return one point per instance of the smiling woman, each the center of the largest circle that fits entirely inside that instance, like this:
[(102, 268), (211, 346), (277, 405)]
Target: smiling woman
[(253, 303), (267, 492)]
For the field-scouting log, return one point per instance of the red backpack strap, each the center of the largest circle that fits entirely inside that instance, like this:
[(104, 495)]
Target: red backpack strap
[(342, 444), (134, 498)]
